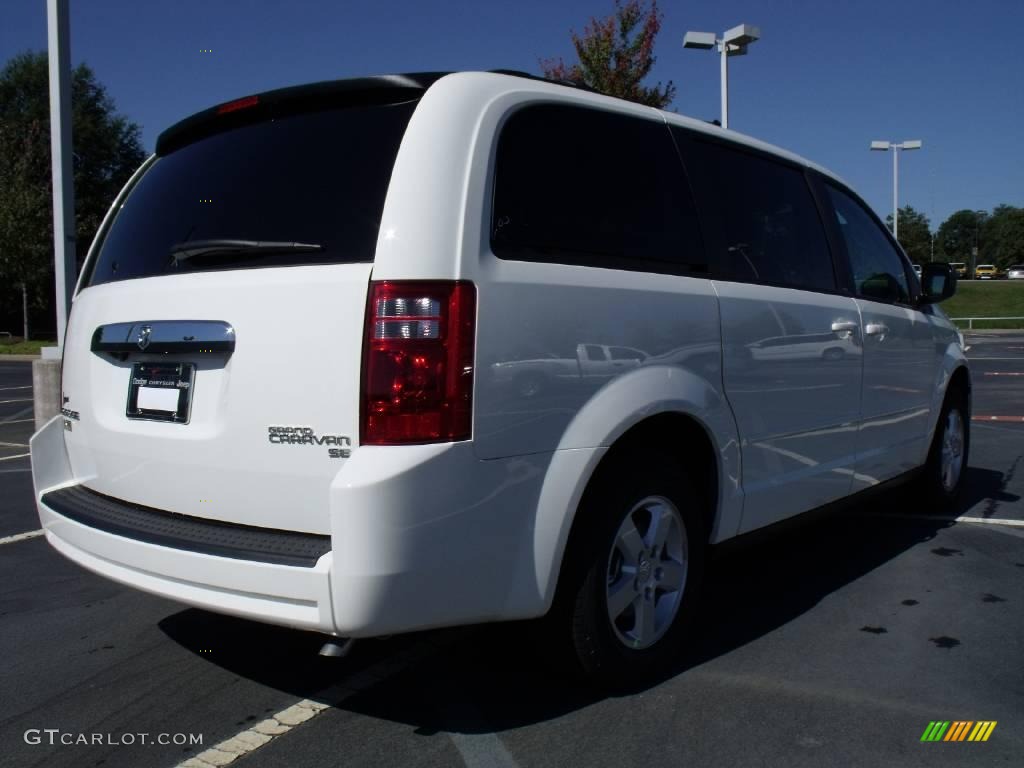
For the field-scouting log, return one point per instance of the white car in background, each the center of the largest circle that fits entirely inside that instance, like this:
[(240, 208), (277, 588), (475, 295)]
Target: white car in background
[(278, 393), (1016, 272)]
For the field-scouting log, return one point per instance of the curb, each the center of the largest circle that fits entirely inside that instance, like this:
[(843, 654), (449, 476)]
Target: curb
[(19, 358)]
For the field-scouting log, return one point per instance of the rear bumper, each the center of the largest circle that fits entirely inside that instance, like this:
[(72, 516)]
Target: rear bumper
[(192, 534), (275, 593), (400, 558)]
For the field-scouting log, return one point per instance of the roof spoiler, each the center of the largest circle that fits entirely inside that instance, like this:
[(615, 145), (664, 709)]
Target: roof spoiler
[(379, 90)]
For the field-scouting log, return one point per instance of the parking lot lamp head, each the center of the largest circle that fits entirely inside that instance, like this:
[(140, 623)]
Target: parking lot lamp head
[(701, 40), (733, 42)]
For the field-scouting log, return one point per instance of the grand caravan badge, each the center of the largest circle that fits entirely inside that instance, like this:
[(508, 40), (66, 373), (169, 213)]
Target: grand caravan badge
[(307, 436)]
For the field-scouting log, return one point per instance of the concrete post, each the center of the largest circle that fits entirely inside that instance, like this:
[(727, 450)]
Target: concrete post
[(46, 388)]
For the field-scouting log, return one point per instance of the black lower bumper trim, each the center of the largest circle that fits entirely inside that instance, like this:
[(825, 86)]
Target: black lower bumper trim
[(191, 534)]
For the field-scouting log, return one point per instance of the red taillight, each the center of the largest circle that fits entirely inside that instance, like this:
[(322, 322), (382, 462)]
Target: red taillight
[(418, 362)]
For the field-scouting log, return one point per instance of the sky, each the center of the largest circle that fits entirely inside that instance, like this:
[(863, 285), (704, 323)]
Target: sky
[(826, 78)]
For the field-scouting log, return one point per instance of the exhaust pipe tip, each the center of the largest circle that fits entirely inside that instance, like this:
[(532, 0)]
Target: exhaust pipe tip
[(337, 648)]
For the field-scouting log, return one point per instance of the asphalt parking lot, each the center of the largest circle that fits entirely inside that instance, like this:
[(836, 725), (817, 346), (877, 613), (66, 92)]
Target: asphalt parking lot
[(835, 643)]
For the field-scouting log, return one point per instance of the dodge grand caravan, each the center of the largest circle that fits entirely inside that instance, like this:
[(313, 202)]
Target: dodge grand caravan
[(279, 388)]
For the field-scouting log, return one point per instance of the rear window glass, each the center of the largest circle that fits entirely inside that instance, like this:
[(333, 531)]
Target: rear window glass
[(317, 178)]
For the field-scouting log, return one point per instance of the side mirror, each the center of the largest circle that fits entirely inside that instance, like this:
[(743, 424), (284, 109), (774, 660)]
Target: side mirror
[(938, 283)]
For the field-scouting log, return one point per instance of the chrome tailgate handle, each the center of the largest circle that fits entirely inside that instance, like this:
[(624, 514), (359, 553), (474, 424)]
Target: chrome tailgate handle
[(165, 337)]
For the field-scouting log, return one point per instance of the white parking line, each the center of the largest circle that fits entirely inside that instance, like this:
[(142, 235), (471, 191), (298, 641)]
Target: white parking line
[(265, 731), (990, 521), (1008, 430), (14, 445), (959, 519), (482, 750), (22, 400), (5, 389), (21, 536), (23, 412), (19, 456), (17, 421)]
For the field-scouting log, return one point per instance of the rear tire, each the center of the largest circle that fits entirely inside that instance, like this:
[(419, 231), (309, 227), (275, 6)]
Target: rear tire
[(631, 574), (944, 472)]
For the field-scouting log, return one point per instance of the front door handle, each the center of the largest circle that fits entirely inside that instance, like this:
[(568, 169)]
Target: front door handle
[(844, 328), (876, 329)]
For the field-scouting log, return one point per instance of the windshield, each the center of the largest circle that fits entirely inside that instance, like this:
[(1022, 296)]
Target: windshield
[(318, 177)]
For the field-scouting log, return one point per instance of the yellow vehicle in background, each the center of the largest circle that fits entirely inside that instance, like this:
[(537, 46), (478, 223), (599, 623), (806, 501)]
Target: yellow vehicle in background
[(985, 272), (959, 267)]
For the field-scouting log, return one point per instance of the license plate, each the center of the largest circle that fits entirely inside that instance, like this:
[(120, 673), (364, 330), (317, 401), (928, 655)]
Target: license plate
[(161, 392)]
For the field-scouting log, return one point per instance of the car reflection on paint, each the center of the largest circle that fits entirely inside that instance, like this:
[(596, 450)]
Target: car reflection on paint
[(823, 346), (531, 376)]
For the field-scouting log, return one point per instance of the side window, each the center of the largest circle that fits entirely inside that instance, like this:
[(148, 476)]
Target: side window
[(761, 215), (581, 186), (594, 352), (877, 267), (626, 353)]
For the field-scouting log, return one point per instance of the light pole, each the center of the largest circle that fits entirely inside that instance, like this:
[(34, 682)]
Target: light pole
[(884, 146), (978, 217), (733, 42)]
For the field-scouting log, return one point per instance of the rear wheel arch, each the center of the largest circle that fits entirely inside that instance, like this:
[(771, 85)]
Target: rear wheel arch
[(668, 460), (680, 437), (676, 435)]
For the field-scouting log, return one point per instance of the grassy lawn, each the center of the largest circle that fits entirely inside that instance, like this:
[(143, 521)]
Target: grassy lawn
[(988, 298), (19, 347)]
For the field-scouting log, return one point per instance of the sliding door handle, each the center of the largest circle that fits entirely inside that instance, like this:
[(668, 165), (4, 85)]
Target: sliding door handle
[(876, 329), (844, 328)]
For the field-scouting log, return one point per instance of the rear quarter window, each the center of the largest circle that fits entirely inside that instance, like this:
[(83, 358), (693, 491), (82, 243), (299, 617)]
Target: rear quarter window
[(581, 186)]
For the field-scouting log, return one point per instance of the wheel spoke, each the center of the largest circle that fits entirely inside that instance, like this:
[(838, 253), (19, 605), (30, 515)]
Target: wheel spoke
[(631, 544), (661, 522), (620, 596), (673, 575), (643, 630)]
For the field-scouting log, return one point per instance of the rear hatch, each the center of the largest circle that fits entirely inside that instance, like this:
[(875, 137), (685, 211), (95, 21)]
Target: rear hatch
[(212, 364)]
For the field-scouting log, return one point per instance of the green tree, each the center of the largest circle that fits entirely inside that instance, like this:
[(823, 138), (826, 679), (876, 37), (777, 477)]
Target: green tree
[(915, 234), (1002, 237), (25, 209), (616, 54), (959, 234), (106, 150)]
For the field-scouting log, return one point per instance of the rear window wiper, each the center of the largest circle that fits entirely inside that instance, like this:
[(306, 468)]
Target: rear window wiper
[(228, 249)]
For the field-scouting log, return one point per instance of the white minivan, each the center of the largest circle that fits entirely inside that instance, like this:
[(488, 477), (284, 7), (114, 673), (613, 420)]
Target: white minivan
[(294, 382)]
